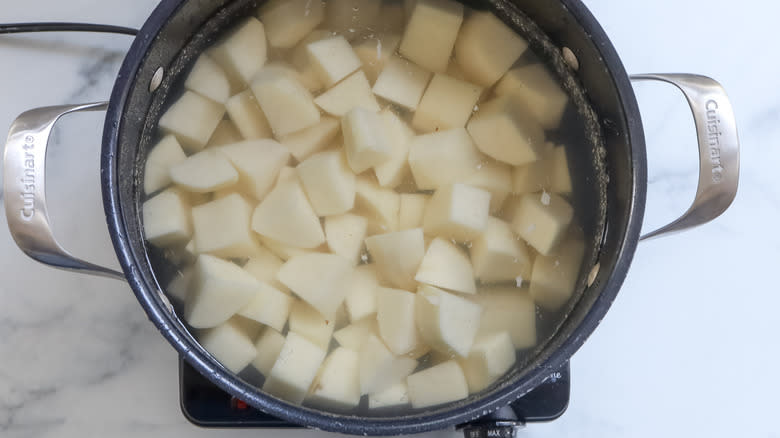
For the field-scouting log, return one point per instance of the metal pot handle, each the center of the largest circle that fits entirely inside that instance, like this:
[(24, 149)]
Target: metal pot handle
[(24, 189), (716, 130)]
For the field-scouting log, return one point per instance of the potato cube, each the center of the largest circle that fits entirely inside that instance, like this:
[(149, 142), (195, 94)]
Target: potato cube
[(269, 306), (393, 171), (412, 210), (258, 163), (491, 356), (289, 21), (457, 211), (337, 384), (355, 335), (446, 266), (496, 178), (219, 289), (295, 369), (192, 119), (166, 153), (508, 309), (542, 219), (333, 59), (208, 79), (206, 171), (446, 104), (497, 255), (486, 48), (286, 252), (344, 234), (397, 256), (402, 82), (395, 314), (502, 129), (431, 33), (395, 395), (328, 182), (379, 368), (247, 116), (442, 158), (380, 206), (311, 324), (268, 345), (230, 345), (222, 227), (179, 287), (438, 384), (287, 105), (225, 133), (447, 322), (264, 265), (313, 139), (541, 92), (554, 277), (243, 52), (351, 18), (536, 176), (361, 297), (299, 226), (352, 92), (374, 53), (299, 58), (365, 139), (318, 279), (166, 219), (559, 170)]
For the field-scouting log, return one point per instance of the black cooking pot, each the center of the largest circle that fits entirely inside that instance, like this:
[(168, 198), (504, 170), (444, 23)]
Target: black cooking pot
[(566, 37)]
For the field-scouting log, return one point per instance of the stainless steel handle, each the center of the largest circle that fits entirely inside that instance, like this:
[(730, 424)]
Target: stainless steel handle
[(716, 130), (24, 189)]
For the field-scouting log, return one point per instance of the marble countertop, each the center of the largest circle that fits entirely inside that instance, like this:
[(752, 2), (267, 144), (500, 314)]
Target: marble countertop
[(688, 349)]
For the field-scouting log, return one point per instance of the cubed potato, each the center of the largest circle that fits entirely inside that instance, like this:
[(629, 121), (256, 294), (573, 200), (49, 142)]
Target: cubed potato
[(542, 219), (365, 139), (179, 287), (395, 314), (442, 158), (508, 309), (294, 369), (206, 171), (264, 265), (311, 324), (447, 322), (247, 116), (497, 255), (542, 93), (352, 18), (337, 384), (374, 53), (355, 335), (286, 252), (438, 384), (289, 21), (299, 58), (502, 129), (166, 153), (559, 170), (402, 82), (270, 306), (219, 289), (380, 206), (536, 176), (431, 33), (221, 227), (225, 133), (166, 219), (395, 395), (319, 279), (333, 59), (397, 256), (554, 277), (361, 297), (285, 215), (344, 234), (486, 48), (313, 139), (392, 172), (243, 52), (286, 103), (352, 92), (380, 368), (268, 345), (258, 163), (230, 345), (496, 178), (412, 210), (491, 356), (446, 266), (208, 79), (446, 104), (192, 119), (457, 211), (328, 182)]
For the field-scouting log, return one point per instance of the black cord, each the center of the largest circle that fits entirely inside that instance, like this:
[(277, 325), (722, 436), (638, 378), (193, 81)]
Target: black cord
[(64, 27)]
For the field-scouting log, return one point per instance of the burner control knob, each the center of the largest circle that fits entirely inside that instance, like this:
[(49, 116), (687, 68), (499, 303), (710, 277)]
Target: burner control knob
[(493, 429)]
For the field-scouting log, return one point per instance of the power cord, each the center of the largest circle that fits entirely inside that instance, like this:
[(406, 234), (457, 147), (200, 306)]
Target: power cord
[(8, 28)]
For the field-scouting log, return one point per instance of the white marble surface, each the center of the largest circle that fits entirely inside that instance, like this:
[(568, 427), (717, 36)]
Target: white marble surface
[(689, 348)]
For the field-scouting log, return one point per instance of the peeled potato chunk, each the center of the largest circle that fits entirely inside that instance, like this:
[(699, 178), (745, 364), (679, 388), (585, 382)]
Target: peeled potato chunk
[(311, 324), (192, 119), (286, 215), (318, 279), (542, 219), (179, 287), (392, 172), (497, 255), (269, 306), (355, 335), (446, 266), (397, 256), (305, 142), (379, 204), (486, 48), (436, 385), (247, 116), (344, 234), (365, 139), (268, 345), (167, 219), (559, 168), (447, 322), (491, 356), (208, 79), (508, 309), (230, 345), (374, 53), (225, 133), (258, 163), (295, 369), (337, 384), (431, 32), (502, 129), (554, 277), (541, 92), (222, 227), (496, 178), (333, 59), (395, 314), (379, 368), (446, 104), (328, 182), (299, 58), (442, 158), (394, 395), (361, 292), (289, 21), (286, 252), (412, 210), (263, 265), (219, 289), (286, 103), (206, 171), (244, 52), (402, 82), (457, 211), (352, 92)]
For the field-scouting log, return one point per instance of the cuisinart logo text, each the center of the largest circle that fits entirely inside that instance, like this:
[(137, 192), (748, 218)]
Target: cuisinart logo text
[(713, 140), (27, 211)]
